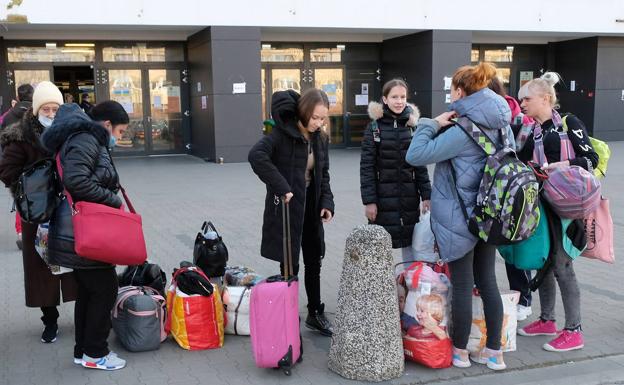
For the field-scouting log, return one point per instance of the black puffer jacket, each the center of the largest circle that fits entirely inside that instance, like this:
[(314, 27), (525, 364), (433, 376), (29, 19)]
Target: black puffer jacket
[(280, 160), (386, 178), (88, 175), (16, 113)]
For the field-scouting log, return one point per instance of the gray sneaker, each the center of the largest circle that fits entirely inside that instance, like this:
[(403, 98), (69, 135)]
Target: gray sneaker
[(109, 362)]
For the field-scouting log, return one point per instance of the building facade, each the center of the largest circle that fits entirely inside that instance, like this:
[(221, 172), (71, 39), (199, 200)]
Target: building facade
[(197, 77)]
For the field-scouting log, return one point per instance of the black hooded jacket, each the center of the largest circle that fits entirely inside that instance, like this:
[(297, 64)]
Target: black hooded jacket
[(88, 175), (386, 179), (280, 161), (16, 113)]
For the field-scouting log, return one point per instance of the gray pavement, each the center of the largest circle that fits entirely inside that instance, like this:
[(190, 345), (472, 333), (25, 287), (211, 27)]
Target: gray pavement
[(176, 194)]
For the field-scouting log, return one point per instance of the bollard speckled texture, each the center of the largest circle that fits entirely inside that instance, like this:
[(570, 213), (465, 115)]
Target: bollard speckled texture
[(367, 344)]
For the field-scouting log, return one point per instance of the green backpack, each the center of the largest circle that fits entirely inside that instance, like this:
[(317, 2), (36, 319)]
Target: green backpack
[(530, 254), (601, 148)]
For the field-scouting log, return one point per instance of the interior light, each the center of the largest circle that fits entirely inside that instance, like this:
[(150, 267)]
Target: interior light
[(266, 46), (510, 48), (341, 47), (79, 45), (50, 45)]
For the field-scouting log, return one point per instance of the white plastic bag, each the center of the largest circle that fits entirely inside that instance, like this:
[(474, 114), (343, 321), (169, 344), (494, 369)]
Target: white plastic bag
[(41, 245), (423, 241)]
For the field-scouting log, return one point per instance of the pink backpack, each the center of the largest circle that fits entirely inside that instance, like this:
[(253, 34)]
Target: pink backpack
[(572, 191)]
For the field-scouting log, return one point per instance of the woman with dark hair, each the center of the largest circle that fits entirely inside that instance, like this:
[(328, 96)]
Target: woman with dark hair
[(391, 188), (84, 145), (293, 162), (22, 148)]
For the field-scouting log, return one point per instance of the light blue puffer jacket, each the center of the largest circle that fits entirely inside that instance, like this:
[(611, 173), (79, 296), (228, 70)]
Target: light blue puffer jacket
[(454, 146)]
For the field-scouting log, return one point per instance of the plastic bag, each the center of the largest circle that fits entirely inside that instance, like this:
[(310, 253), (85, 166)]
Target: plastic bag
[(423, 303), (478, 331), (41, 245), (423, 240)]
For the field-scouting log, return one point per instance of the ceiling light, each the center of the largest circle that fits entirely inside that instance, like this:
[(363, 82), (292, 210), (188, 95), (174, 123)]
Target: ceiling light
[(50, 45), (266, 46), (79, 45), (341, 47)]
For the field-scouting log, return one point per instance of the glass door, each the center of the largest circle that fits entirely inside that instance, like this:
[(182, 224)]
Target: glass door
[(125, 86), (165, 111), (331, 80), (153, 99)]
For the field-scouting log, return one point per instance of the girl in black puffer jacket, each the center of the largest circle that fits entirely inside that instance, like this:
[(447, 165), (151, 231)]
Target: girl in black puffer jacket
[(88, 175), (391, 188), (293, 162)]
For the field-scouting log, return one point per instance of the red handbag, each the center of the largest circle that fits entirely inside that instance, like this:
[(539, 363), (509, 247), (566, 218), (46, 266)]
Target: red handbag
[(106, 234)]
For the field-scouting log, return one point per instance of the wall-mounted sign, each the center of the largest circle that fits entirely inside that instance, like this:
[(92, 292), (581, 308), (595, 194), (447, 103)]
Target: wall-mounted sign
[(525, 77)]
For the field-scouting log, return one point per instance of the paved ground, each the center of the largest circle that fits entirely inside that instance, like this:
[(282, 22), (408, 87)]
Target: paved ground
[(176, 194)]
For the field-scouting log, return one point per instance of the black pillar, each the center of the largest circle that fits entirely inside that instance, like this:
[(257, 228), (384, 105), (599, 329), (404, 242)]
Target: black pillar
[(423, 60), (225, 124)]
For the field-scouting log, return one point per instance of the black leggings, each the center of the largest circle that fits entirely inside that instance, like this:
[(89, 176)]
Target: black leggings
[(310, 247), (476, 267)]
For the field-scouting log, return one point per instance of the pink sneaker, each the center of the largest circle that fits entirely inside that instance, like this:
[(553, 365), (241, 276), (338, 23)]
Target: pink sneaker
[(566, 341), (539, 328)]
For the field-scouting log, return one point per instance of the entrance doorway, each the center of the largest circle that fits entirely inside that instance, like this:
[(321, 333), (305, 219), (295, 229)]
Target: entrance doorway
[(74, 82), (299, 77), (153, 99)]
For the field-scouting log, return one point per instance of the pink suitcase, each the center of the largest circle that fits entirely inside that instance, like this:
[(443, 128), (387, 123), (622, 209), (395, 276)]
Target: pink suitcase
[(274, 314)]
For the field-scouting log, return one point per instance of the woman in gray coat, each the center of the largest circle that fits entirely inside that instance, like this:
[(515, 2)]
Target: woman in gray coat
[(471, 261)]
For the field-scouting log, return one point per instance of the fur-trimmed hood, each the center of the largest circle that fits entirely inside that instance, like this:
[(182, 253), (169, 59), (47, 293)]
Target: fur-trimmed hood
[(27, 130), (71, 119), (377, 111)]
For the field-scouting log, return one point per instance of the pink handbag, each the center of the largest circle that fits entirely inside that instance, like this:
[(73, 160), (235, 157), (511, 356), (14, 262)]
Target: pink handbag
[(106, 234), (599, 231)]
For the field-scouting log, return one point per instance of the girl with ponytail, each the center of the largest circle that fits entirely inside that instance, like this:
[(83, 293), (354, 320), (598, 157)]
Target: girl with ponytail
[(539, 101), (459, 169)]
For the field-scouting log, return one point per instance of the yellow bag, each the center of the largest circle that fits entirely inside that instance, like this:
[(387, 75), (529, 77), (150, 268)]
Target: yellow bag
[(196, 322), (601, 148)]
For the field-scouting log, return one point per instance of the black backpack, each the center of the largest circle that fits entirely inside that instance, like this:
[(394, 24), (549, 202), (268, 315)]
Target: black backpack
[(38, 192), (147, 274), (210, 255)]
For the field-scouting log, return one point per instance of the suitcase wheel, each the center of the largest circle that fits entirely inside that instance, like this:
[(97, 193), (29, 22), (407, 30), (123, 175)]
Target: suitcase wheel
[(287, 372)]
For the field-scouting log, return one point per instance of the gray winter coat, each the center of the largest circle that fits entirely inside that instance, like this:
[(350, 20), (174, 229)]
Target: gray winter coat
[(453, 145)]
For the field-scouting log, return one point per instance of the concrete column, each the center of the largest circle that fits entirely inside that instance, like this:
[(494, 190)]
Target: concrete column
[(423, 60), (224, 124)]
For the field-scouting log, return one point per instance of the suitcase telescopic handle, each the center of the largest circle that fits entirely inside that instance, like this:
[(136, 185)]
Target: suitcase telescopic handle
[(288, 268)]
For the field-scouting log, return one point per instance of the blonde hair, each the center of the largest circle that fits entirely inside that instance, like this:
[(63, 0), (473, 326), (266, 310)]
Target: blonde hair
[(544, 85), (433, 304), (474, 78)]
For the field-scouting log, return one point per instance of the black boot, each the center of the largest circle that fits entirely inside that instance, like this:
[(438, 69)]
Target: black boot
[(316, 320)]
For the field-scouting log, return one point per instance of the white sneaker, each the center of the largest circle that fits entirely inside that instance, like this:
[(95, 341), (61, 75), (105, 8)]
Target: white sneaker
[(109, 362), (524, 312)]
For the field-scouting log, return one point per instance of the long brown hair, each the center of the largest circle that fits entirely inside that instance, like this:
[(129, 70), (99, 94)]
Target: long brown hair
[(308, 101)]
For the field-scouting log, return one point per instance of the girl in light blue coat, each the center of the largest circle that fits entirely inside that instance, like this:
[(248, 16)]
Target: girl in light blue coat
[(471, 261)]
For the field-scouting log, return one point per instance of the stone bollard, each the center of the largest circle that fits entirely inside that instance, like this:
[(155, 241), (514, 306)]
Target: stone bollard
[(367, 344)]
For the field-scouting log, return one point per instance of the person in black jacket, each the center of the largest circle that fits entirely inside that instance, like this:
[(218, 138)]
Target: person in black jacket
[(24, 102), (22, 148), (539, 101), (84, 144), (391, 188), (293, 162)]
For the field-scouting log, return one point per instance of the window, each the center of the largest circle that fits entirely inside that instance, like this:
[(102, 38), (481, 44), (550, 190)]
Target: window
[(286, 54), (326, 55), (474, 55), (141, 52), (499, 55), (50, 52)]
